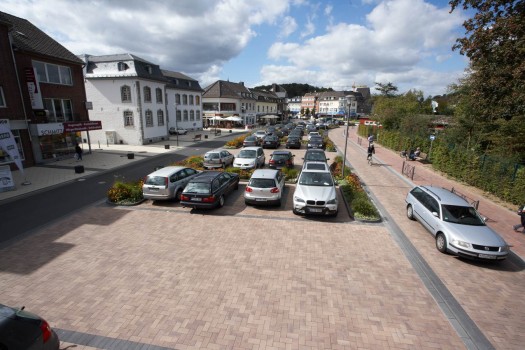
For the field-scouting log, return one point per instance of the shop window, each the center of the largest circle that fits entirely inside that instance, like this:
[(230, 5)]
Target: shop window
[(128, 118), (160, 117), (149, 119)]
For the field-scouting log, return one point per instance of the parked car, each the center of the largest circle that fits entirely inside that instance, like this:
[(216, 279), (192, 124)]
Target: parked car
[(281, 159), (219, 158), (260, 134), (266, 187), (251, 141), (313, 134), (179, 131), (315, 155), (167, 183), (271, 141), (456, 225), (315, 142), (249, 158), (315, 193), (208, 189), (20, 330), (293, 142)]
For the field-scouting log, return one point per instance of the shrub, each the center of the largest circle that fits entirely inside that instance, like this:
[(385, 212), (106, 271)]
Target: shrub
[(237, 142), (290, 173), (125, 192), (363, 207), (244, 174)]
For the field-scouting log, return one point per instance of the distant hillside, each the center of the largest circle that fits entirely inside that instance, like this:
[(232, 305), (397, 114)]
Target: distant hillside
[(295, 89)]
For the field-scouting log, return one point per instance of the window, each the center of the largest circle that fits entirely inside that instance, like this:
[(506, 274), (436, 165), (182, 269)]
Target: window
[(178, 116), (158, 93), (125, 93), (59, 110), (198, 115), (122, 66), (147, 94), (2, 98), (149, 118), (184, 99), (128, 118), (160, 117), (197, 100), (185, 116), (191, 99), (52, 73), (177, 99), (192, 115)]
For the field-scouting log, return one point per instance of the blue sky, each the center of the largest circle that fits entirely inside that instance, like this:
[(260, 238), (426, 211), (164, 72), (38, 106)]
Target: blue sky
[(334, 44)]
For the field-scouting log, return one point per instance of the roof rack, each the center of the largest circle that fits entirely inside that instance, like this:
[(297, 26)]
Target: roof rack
[(428, 190)]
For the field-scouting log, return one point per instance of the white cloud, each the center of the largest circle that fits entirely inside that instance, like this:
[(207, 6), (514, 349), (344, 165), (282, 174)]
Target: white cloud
[(288, 26), (309, 28)]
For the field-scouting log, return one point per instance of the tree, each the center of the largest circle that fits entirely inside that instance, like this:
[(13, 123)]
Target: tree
[(387, 89), (495, 44)]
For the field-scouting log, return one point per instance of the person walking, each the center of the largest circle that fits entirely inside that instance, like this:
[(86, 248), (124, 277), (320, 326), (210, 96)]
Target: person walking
[(78, 152), (521, 213)]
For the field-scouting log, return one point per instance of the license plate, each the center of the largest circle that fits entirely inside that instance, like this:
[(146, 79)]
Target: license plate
[(315, 210), (485, 256), (196, 199), (153, 189), (260, 199)]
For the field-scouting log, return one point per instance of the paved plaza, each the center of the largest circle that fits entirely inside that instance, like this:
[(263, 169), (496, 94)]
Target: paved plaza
[(159, 276)]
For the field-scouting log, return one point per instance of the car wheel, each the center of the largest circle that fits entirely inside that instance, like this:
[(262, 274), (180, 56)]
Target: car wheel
[(334, 214), (236, 186), (410, 212), (178, 194), (221, 201), (441, 243), (223, 165), (279, 203), (296, 212)]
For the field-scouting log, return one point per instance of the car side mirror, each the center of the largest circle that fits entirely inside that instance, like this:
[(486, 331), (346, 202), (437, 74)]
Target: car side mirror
[(435, 214)]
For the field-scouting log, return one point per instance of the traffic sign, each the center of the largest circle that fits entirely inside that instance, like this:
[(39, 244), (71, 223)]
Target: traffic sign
[(432, 137)]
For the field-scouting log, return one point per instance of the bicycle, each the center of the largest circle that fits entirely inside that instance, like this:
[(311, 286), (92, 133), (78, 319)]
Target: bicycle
[(370, 159)]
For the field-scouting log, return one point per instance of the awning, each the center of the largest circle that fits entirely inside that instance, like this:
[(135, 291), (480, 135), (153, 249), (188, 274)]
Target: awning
[(234, 119), (269, 116)]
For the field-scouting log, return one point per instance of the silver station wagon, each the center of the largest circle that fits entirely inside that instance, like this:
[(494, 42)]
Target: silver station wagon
[(456, 225), (167, 183)]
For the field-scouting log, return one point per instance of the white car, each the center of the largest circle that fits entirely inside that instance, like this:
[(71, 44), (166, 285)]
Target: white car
[(265, 187), (178, 131), (315, 192), (313, 134), (167, 183), (250, 158)]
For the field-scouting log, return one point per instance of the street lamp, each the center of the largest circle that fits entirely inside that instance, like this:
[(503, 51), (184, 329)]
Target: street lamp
[(176, 124)]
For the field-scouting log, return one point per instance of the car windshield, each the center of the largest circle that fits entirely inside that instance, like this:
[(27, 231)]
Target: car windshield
[(156, 180), (247, 153), (262, 183), (462, 215), (315, 179), (198, 187)]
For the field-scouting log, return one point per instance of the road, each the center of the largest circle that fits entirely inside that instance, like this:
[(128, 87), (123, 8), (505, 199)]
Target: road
[(21, 216)]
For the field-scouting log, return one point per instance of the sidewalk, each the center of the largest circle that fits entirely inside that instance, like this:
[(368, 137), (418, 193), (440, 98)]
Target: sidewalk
[(499, 215), (100, 159)]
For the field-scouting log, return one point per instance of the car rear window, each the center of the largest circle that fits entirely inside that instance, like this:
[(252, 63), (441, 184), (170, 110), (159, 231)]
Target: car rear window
[(280, 156), (212, 156), (262, 183), (198, 187), (155, 180)]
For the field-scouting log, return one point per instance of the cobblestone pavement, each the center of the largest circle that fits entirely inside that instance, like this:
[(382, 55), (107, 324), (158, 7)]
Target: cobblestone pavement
[(158, 276)]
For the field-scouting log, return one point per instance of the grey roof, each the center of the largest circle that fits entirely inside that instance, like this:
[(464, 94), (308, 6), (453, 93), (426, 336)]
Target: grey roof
[(265, 95), (117, 58), (141, 66), (27, 37), (223, 88), (178, 80)]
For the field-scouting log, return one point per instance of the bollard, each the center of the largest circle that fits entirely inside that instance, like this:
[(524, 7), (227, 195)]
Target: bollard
[(131, 155), (166, 146)]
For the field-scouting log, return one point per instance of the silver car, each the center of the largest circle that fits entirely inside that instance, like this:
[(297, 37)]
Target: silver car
[(167, 183), (457, 226), (315, 192), (218, 158), (265, 188), (249, 158)]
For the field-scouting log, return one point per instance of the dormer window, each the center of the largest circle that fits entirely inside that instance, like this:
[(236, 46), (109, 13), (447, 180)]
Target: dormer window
[(122, 66), (149, 69)]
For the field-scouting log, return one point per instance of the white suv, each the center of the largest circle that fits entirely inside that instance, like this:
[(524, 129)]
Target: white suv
[(315, 192)]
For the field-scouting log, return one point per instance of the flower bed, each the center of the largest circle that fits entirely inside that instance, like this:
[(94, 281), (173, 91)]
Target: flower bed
[(126, 193)]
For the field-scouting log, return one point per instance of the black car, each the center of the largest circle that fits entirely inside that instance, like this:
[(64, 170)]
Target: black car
[(20, 329), (281, 159), (293, 142), (316, 142), (208, 189), (271, 141)]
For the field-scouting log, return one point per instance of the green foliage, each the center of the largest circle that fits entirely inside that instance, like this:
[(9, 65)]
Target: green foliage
[(125, 192), (363, 207), (195, 162), (237, 142), (290, 173), (244, 174)]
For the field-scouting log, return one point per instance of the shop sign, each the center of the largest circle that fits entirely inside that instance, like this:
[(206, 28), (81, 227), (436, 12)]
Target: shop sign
[(33, 88), (6, 179), (49, 129), (82, 126)]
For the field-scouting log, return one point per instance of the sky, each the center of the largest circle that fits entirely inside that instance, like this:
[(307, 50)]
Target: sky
[(337, 44)]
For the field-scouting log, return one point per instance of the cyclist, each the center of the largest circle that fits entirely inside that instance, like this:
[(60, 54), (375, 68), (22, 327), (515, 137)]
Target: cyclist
[(371, 150)]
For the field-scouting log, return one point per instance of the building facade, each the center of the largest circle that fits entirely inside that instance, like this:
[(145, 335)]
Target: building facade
[(44, 99), (228, 104), (293, 106)]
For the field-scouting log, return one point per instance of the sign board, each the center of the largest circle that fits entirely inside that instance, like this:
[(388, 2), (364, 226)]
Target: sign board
[(82, 126), (432, 137), (6, 179), (49, 129), (34, 89)]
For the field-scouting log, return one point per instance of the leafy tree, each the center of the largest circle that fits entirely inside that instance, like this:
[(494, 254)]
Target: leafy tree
[(492, 97), (387, 89), (397, 111)]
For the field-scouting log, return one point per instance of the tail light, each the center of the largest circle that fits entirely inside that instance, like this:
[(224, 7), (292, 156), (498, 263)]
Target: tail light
[(248, 189), (184, 197), (210, 199), (46, 331), (289, 162), (271, 161), (274, 190), (166, 181)]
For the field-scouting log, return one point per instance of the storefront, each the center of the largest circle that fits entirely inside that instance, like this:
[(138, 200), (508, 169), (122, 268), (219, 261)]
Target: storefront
[(54, 141)]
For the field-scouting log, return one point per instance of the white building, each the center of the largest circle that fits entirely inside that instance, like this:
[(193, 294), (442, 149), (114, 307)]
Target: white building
[(294, 105)]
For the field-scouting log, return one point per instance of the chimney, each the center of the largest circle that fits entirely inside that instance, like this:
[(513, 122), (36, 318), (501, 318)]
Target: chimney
[(241, 83)]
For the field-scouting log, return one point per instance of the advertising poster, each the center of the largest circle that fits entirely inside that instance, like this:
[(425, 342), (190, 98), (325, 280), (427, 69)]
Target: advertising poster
[(6, 179)]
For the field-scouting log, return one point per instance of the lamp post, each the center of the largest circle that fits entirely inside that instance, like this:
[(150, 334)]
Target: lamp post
[(346, 143), (176, 124)]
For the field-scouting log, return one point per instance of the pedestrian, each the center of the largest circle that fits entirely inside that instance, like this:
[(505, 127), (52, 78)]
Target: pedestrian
[(78, 152), (521, 213), (371, 150)]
